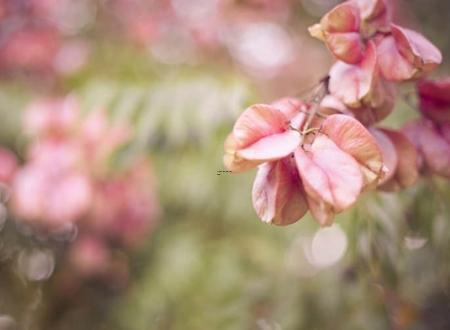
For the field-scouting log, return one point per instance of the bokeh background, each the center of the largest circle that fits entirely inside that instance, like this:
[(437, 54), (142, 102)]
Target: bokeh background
[(178, 73)]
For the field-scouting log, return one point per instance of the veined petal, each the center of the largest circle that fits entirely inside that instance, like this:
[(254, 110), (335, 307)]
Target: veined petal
[(329, 174), (352, 83), (354, 139), (232, 161), (393, 66), (416, 48), (342, 18), (390, 159), (406, 173), (346, 46), (277, 194), (321, 211), (256, 122), (271, 147)]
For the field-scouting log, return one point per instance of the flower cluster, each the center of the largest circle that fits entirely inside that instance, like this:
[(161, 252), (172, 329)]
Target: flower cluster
[(372, 53), (67, 180), (322, 154)]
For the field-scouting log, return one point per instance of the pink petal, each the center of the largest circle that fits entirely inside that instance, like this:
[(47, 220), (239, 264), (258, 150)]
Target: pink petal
[(376, 14), (346, 47), (354, 139), (321, 211), (392, 64), (406, 173), (342, 18), (416, 48), (256, 122), (390, 159), (329, 174), (352, 83), (272, 147), (232, 161), (277, 195)]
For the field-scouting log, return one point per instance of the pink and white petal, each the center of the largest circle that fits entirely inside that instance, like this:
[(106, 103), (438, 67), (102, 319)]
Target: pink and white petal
[(393, 66), (272, 147), (389, 153), (354, 139), (277, 195), (416, 48), (406, 173), (256, 122), (352, 83)]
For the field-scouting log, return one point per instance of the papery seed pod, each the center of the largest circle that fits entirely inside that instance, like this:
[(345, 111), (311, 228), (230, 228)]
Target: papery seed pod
[(406, 54), (376, 16), (353, 138), (277, 194), (332, 179), (389, 154), (339, 29), (260, 134), (376, 109), (353, 84)]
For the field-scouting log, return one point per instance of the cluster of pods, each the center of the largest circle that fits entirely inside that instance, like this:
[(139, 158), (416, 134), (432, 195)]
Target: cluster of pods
[(320, 155)]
